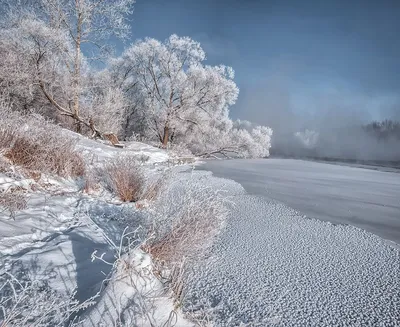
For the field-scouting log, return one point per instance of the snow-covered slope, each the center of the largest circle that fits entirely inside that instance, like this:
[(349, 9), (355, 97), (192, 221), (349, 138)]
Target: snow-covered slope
[(102, 150), (53, 239)]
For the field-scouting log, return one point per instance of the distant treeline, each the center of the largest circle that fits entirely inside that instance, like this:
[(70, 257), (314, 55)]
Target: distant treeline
[(384, 130), (376, 141)]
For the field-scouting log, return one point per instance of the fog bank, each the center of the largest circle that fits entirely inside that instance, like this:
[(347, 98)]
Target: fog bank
[(325, 124)]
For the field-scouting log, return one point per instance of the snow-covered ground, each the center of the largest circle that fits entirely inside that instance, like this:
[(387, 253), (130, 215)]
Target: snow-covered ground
[(273, 267), (101, 151), (53, 239)]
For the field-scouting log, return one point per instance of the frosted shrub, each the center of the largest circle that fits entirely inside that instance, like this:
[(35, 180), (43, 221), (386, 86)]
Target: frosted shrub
[(224, 138), (155, 186), (36, 144), (32, 303), (124, 177), (12, 202), (186, 221), (4, 165)]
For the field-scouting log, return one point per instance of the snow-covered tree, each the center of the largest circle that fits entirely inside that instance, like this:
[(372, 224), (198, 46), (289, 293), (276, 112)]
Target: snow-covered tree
[(118, 75), (173, 97), (177, 89), (106, 105), (232, 139), (308, 138), (65, 26), (34, 59)]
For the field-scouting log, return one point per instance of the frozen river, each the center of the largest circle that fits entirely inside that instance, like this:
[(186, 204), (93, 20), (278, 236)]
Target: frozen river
[(272, 267), (365, 198)]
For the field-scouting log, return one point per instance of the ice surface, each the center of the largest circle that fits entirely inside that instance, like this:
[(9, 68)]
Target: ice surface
[(365, 198)]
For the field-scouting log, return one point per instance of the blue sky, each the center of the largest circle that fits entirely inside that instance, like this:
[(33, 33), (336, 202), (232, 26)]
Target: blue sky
[(298, 58)]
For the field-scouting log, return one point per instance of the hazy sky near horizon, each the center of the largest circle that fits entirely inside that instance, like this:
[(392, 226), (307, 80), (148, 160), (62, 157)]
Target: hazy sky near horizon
[(292, 58)]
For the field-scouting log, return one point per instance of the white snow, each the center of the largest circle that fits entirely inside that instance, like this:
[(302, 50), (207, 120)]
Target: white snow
[(102, 151), (6, 183), (135, 297), (45, 216)]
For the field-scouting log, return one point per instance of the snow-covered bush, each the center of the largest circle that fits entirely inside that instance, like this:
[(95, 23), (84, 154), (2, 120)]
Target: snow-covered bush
[(185, 221), (124, 177), (36, 144), (182, 226), (12, 202), (5, 165), (155, 186), (228, 139)]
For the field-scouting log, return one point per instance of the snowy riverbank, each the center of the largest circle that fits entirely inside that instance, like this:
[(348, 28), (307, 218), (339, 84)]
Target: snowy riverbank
[(48, 249)]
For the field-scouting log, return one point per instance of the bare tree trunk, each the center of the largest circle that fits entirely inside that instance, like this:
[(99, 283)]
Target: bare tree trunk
[(165, 136), (77, 67), (127, 124), (127, 128), (172, 135)]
